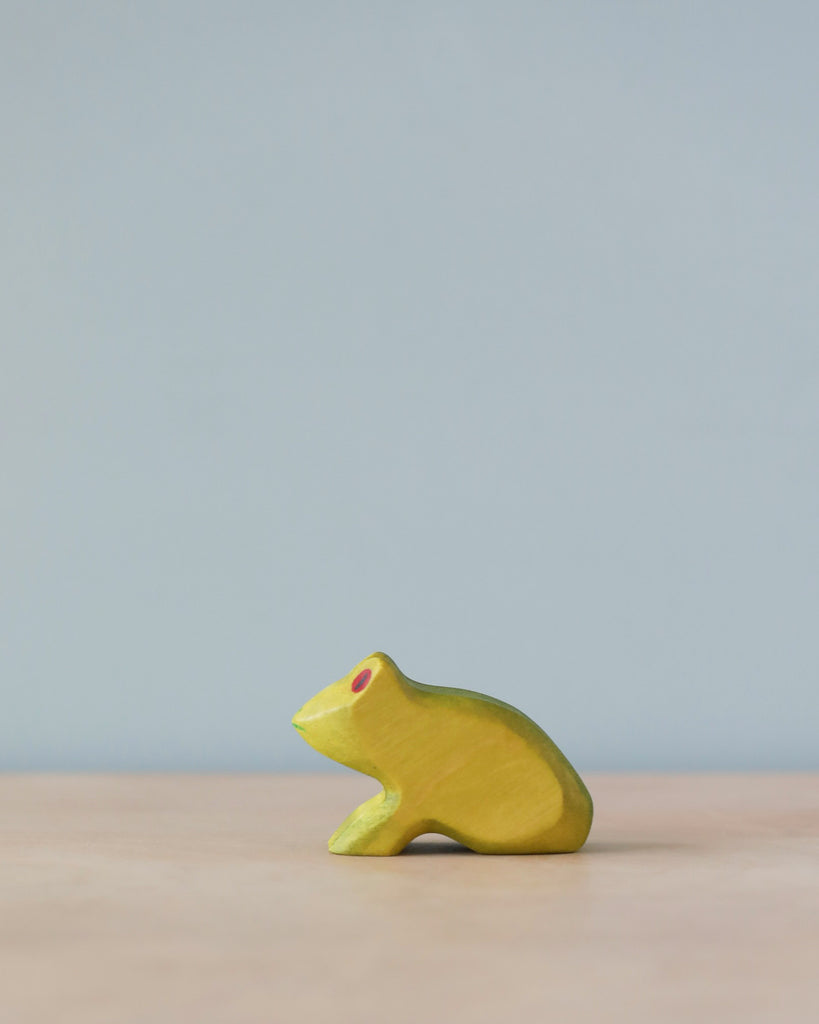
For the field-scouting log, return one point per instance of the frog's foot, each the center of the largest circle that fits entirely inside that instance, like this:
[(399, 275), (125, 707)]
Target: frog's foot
[(375, 829)]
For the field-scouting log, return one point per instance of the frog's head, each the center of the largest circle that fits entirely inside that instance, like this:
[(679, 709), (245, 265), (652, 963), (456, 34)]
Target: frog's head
[(348, 720)]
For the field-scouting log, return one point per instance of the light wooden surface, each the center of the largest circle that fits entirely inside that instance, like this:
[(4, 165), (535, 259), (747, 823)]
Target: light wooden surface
[(213, 899)]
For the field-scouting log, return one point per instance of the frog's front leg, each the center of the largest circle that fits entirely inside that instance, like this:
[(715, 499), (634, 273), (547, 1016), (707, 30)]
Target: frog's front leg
[(375, 829)]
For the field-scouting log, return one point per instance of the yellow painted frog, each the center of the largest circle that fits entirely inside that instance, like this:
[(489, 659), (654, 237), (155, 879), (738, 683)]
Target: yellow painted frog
[(451, 761)]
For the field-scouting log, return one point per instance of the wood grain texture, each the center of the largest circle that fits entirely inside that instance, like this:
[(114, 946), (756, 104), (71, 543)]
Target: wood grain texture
[(206, 899), (451, 761)]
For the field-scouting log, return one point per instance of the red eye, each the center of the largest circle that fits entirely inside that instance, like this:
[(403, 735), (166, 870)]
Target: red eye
[(361, 680)]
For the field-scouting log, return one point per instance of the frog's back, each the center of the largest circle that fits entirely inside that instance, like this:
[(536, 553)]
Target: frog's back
[(492, 779)]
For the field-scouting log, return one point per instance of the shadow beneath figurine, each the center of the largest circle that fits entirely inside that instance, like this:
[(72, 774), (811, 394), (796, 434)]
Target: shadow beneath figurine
[(629, 846), (433, 845)]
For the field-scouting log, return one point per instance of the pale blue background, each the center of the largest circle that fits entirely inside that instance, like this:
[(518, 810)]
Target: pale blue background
[(484, 334)]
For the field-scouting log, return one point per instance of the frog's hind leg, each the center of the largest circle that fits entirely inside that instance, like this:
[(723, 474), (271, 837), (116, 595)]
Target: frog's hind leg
[(375, 829)]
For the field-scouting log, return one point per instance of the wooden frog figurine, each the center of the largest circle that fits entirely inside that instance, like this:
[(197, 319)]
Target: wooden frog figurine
[(451, 761)]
